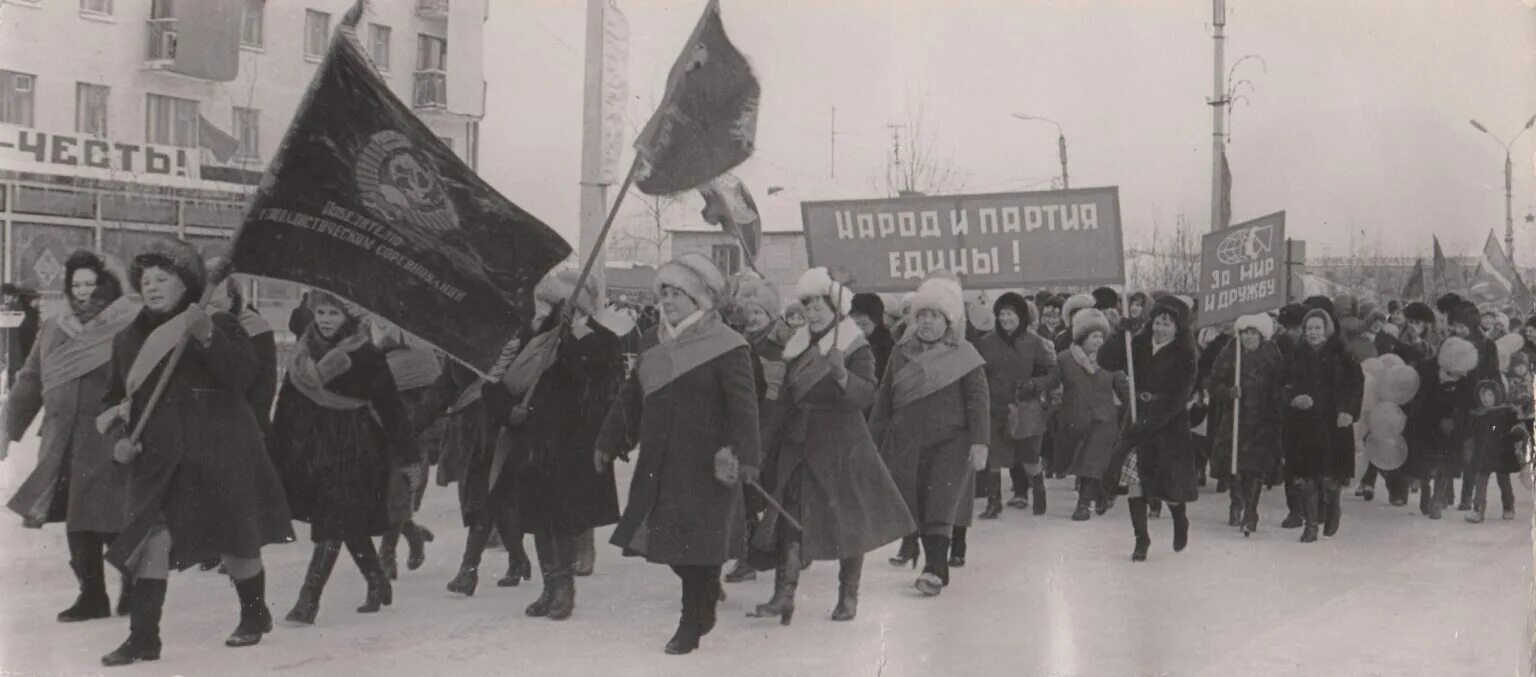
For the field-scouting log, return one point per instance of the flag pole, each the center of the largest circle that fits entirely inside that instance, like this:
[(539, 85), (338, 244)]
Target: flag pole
[(1237, 383)]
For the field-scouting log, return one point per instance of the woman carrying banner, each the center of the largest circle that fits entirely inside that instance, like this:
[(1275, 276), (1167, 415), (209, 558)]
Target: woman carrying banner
[(1021, 372), (572, 367), (931, 421), (825, 468), (1155, 457), (200, 483), (1261, 403), (340, 438), (1323, 390), (1089, 420), (75, 480), (690, 399)]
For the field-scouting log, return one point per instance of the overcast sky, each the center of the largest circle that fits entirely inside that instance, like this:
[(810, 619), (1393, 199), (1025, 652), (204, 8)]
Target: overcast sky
[(1358, 124)]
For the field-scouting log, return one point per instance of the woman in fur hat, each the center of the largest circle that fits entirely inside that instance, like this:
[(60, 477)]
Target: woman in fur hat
[(689, 402), (200, 483), (572, 368), (343, 441), (766, 333), (1323, 389), (1089, 419), (869, 313), (1021, 370), (932, 422), (1155, 452), (825, 468), (75, 480), (1261, 401)]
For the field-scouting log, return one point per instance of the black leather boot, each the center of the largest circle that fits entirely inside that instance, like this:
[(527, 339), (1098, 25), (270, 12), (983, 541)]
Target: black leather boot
[(380, 592), (1138, 510), (586, 554), (545, 552), (1295, 515), (1309, 509), (957, 547), (566, 551), (908, 553), (1180, 526), (1084, 510), (936, 569), (321, 563), (416, 537), (849, 571), (1335, 508), (143, 643), (1037, 487), (1252, 486), (255, 618), (85, 559), (786, 579)]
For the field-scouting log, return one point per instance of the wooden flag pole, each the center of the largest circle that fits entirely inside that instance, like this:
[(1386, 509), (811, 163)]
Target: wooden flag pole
[(1130, 357), (1237, 383), (170, 365)]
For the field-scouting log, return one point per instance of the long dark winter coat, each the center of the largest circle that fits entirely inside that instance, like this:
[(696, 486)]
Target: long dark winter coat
[(1315, 446), (338, 465), (1263, 409), (1496, 437), (828, 472), (1020, 368), (548, 473), (75, 480), (1088, 424), (468, 441), (1165, 455), (203, 472), (926, 444), (678, 513), (1431, 448), (263, 390)]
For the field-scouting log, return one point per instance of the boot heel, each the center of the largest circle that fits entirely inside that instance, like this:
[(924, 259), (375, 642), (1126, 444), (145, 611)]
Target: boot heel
[(787, 616)]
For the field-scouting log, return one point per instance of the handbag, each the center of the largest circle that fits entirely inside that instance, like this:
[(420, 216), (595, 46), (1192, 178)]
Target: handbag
[(1026, 419)]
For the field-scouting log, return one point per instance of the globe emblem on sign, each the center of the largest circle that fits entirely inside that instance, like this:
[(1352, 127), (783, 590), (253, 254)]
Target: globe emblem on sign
[(1245, 245)]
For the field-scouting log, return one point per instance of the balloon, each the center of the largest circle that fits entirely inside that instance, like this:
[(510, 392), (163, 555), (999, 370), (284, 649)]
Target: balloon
[(1508, 345), (1392, 360), (1399, 385), (1387, 420), (1388, 452), (1373, 365), (1458, 355)]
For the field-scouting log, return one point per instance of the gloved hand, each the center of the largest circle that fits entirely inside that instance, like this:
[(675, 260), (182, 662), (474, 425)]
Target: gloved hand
[(727, 467), (750, 474), (839, 370), (978, 457), (517, 416), (600, 460), (125, 450), (199, 325), (1302, 402), (1345, 420)]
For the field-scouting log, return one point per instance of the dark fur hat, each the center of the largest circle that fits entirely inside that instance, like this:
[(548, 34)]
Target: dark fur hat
[(173, 255), (1016, 302), (871, 306), (1291, 315), (1418, 312), (1105, 298), (108, 287)]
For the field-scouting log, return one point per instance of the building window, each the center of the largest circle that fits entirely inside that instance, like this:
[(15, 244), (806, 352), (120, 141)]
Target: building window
[(431, 72), (16, 97), (248, 131), (317, 33), (251, 23), (169, 121), (162, 31), (378, 46), (91, 109), (102, 7), (727, 258)]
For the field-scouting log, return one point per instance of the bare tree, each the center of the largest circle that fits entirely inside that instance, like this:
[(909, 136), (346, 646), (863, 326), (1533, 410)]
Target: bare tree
[(641, 235), (917, 163), (1170, 261)]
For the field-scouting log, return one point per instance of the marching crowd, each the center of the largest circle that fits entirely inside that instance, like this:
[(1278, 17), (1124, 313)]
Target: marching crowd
[(764, 435)]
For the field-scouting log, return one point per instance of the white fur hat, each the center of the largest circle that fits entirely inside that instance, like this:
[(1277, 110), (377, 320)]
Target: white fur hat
[(941, 292), (696, 276), (558, 285), (818, 282), (1087, 321), (1075, 303), (1260, 322)]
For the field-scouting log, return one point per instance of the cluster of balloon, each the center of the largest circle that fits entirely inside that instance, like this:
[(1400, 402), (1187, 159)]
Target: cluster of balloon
[(1508, 345), (1389, 385)]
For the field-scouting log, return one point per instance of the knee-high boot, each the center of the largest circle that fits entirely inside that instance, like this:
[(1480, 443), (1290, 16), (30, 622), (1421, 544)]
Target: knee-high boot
[(786, 579), (1308, 488), (1234, 502), (85, 559), (1295, 515), (1138, 510), (1335, 510), (1087, 490), (686, 639), (380, 592), (849, 571), (1428, 505), (143, 643), (936, 569), (510, 532), (565, 552), (545, 551), (255, 618), (957, 547), (1253, 486), (1180, 525), (468, 577), (907, 553), (321, 563), (586, 554), (416, 537), (389, 543)]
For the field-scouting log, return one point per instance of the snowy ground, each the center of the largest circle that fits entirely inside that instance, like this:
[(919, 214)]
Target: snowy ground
[(1393, 594)]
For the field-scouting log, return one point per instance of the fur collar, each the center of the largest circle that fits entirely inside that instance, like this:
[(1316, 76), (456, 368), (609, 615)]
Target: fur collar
[(847, 334)]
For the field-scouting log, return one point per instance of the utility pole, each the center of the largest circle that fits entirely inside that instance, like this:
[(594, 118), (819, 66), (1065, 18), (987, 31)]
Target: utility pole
[(1509, 174), (1218, 104), (606, 57)]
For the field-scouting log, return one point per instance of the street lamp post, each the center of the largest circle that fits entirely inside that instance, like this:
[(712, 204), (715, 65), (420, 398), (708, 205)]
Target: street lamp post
[(1509, 175), (1061, 144)]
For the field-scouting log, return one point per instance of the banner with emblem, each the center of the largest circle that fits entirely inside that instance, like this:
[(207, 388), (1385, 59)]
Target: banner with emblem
[(363, 200)]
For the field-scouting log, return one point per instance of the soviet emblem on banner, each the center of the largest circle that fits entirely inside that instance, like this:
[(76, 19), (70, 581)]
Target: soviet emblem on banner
[(400, 183)]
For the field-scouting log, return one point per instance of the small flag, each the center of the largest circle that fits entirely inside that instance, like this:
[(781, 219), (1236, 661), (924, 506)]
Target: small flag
[(707, 121), (1438, 270), (214, 139), (1414, 289), (1496, 280), (363, 200), (728, 204), (207, 35)]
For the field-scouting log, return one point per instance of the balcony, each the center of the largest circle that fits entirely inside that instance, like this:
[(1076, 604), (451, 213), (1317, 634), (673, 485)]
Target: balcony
[(161, 50), (436, 10), (431, 92)]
